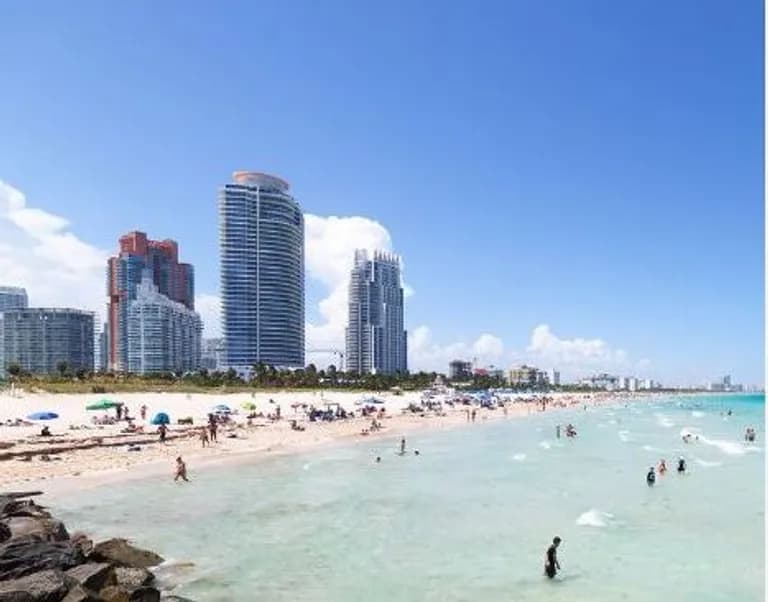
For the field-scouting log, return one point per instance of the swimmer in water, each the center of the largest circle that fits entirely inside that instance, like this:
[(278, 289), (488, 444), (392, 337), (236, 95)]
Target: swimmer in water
[(662, 466), (650, 478), (378, 459), (402, 446), (681, 466), (551, 566), (557, 431), (416, 452)]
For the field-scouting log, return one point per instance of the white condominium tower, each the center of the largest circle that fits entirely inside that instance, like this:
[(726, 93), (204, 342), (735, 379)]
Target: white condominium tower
[(261, 238), (376, 338)]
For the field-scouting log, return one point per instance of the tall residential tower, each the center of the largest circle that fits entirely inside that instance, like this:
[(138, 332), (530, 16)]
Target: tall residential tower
[(124, 273), (261, 237), (376, 337)]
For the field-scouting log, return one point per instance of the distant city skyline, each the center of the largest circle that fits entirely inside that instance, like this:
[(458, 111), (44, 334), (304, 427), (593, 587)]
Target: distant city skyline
[(598, 208)]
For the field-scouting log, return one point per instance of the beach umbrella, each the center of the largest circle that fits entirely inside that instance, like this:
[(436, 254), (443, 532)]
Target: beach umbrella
[(104, 404), (222, 409), (43, 416), (161, 418), (249, 406)]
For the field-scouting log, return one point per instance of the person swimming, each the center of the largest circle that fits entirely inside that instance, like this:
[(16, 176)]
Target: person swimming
[(551, 566), (650, 478), (378, 459), (681, 465), (662, 466)]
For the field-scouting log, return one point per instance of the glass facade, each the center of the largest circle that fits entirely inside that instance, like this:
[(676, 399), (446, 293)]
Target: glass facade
[(38, 339), (261, 235), (376, 338)]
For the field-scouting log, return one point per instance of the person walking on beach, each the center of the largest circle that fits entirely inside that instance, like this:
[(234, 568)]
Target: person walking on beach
[(650, 478), (163, 430), (143, 412), (474, 414), (212, 426), (204, 436), (551, 566), (181, 470)]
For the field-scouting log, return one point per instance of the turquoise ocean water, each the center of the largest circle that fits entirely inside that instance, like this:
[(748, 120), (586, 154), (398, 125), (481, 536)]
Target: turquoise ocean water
[(471, 517)]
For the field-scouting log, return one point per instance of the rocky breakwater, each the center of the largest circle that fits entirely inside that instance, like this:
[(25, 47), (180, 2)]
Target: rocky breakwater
[(41, 562)]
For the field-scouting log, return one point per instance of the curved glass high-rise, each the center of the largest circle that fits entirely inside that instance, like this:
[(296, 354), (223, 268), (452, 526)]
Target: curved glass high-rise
[(261, 238)]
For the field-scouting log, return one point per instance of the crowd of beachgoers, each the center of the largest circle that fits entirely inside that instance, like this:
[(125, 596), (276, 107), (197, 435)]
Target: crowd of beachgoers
[(46, 436)]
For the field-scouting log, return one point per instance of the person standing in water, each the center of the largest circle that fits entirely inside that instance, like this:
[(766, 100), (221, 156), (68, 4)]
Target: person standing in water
[(402, 446), (681, 465), (557, 431), (650, 478), (181, 470), (662, 466), (551, 566)]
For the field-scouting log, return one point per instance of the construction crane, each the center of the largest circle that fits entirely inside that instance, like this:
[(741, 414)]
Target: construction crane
[(336, 352)]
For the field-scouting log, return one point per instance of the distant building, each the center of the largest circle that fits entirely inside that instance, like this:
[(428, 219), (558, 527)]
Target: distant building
[(460, 370), (13, 297), (163, 335), (124, 274), (40, 339), (102, 364), (646, 384), (261, 241), (554, 378), (527, 376), (376, 340), (632, 384), (603, 381), (212, 354)]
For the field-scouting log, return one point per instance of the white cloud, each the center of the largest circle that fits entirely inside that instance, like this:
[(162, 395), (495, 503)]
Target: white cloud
[(427, 355), (579, 356), (330, 246), (40, 253)]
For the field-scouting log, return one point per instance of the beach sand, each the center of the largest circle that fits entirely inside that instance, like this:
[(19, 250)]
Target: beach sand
[(81, 454)]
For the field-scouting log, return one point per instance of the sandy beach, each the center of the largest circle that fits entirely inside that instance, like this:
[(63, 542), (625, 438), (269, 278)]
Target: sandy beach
[(80, 453)]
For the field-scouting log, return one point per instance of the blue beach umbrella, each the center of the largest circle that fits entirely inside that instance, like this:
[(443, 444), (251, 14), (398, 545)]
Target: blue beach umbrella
[(161, 418), (222, 409), (43, 416)]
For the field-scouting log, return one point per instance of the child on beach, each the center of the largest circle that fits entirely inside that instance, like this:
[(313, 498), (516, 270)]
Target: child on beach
[(181, 470)]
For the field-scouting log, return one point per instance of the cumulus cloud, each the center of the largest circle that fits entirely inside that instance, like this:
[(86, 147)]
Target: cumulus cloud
[(424, 353), (39, 252), (578, 356), (330, 246)]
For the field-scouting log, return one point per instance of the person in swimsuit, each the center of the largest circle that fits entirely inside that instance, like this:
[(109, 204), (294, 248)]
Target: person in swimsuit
[(681, 466), (181, 470), (552, 565), (662, 466), (650, 478), (402, 446)]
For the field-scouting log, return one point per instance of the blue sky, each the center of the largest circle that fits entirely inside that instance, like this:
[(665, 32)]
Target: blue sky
[(593, 166)]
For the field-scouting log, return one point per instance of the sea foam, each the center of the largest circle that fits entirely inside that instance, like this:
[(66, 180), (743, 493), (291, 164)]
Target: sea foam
[(594, 518), (519, 457)]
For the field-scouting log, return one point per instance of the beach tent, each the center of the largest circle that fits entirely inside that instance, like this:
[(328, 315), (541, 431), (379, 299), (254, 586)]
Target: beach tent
[(161, 418), (104, 404), (222, 409), (43, 416)]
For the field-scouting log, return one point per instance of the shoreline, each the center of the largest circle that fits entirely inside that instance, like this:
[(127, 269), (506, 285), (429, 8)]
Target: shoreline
[(80, 469)]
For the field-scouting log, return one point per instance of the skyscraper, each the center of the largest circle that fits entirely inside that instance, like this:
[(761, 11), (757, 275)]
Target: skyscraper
[(376, 338), (163, 335), (38, 339), (124, 273), (12, 297), (261, 237)]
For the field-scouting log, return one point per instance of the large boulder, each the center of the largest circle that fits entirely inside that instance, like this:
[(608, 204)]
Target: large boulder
[(27, 555), (131, 578), (120, 553), (93, 575), (145, 594), (45, 529), (114, 593), (5, 532), (45, 586), (79, 594)]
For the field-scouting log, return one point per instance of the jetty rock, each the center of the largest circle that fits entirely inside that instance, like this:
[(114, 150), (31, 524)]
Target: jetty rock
[(27, 555), (119, 552), (44, 586)]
